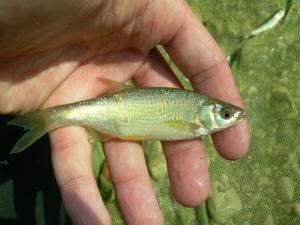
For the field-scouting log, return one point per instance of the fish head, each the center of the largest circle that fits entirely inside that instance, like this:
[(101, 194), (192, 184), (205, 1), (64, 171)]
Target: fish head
[(218, 115)]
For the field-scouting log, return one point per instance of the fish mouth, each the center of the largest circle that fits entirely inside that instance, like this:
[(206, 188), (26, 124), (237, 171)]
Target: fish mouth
[(241, 115)]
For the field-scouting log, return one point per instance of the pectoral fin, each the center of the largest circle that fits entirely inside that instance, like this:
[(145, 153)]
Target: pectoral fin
[(98, 136), (114, 86), (182, 125)]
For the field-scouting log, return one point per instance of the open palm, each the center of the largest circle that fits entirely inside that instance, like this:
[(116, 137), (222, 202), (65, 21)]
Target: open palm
[(55, 57)]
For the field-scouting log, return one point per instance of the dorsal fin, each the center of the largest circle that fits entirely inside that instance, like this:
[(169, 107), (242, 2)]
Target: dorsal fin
[(114, 86)]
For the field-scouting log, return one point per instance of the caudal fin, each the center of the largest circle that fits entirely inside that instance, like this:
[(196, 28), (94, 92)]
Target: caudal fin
[(36, 126)]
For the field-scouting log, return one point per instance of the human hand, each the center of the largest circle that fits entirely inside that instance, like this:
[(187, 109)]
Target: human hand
[(52, 53)]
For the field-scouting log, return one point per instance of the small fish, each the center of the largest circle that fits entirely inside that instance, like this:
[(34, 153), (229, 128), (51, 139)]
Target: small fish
[(272, 22), (154, 113)]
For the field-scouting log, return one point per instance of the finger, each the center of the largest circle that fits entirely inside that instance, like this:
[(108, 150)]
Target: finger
[(187, 168), (132, 184), (188, 171), (155, 72), (71, 156), (71, 151), (198, 56)]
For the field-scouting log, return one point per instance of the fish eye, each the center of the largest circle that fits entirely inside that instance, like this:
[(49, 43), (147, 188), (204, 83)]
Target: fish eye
[(226, 113)]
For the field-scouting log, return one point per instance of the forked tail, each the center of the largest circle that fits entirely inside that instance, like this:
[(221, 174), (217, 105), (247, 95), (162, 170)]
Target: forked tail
[(35, 123)]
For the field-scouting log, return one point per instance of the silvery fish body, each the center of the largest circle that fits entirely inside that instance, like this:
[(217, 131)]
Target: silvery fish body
[(135, 114)]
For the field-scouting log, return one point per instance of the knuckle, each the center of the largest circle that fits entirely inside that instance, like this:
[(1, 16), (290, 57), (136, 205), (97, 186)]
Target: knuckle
[(204, 76), (62, 140), (76, 181)]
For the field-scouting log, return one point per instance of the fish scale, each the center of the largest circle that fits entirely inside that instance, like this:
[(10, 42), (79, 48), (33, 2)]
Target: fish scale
[(141, 113)]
